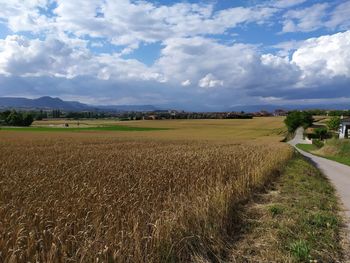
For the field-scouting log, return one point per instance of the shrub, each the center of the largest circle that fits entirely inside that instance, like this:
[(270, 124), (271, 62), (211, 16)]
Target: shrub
[(321, 133), (318, 143)]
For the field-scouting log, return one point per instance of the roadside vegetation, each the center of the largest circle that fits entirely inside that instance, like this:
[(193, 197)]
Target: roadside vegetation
[(297, 221), (334, 149), (325, 142)]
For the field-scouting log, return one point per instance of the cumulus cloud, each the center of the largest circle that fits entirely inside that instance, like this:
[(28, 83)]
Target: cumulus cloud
[(194, 58), (324, 57), (319, 67), (209, 81), (125, 22), (323, 64), (24, 15), (20, 56), (51, 50)]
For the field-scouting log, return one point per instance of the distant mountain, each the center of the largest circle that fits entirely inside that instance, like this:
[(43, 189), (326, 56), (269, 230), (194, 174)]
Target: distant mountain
[(42, 103), (128, 107), (57, 103), (271, 108)]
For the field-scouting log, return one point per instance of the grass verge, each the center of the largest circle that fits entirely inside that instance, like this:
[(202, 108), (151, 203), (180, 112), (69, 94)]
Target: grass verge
[(298, 221), (328, 151), (307, 147)]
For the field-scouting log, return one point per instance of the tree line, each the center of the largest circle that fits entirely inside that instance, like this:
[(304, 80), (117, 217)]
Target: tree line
[(14, 118)]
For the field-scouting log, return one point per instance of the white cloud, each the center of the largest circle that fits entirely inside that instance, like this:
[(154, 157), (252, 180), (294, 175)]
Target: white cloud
[(20, 56), (23, 15), (127, 23), (186, 83), (305, 20), (287, 3), (321, 15), (340, 17), (287, 47), (194, 58), (326, 56), (321, 69), (237, 70), (56, 57), (209, 81)]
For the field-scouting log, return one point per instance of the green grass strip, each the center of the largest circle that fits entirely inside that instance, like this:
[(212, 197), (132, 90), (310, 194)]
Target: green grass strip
[(310, 148)]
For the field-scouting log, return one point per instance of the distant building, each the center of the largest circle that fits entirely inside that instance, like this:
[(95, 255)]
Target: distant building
[(344, 128), (151, 117), (262, 113), (280, 113)]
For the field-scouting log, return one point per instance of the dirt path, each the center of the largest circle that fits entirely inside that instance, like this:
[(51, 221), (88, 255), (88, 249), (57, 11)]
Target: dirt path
[(338, 174)]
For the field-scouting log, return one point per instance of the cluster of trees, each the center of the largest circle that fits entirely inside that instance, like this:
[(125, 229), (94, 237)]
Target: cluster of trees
[(297, 119), (85, 115), (304, 119), (14, 118), (338, 113)]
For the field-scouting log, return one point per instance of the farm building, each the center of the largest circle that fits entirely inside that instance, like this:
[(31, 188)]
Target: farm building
[(344, 128)]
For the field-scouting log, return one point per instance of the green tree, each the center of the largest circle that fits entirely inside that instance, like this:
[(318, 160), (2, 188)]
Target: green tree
[(27, 119), (4, 115), (15, 118), (321, 133), (334, 123), (296, 119)]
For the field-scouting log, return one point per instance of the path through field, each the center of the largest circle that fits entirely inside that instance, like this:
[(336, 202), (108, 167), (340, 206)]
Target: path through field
[(339, 174)]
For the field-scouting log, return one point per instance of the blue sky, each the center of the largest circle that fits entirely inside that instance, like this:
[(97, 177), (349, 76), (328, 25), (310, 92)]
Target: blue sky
[(195, 55)]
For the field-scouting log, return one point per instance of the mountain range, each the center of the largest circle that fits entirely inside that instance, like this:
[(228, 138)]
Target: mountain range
[(289, 107), (49, 103)]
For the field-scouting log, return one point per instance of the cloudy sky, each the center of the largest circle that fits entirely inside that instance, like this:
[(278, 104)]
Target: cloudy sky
[(185, 54)]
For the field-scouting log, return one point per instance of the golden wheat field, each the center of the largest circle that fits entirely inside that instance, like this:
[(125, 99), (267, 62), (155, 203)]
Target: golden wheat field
[(132, 197)]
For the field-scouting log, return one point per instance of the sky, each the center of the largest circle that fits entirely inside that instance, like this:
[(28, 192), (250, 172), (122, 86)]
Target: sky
[(192, 55)]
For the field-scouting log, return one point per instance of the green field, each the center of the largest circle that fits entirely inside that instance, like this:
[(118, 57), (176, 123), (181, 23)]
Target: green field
[(269, 129)]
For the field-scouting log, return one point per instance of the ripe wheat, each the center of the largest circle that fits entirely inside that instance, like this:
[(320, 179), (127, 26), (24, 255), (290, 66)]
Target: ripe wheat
[(65, 199)]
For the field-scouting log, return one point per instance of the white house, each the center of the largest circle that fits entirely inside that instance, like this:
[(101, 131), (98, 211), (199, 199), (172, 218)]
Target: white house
[(344, 128)]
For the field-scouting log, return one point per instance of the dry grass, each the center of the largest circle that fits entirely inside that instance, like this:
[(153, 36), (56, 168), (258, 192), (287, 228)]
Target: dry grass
[(297, 221), (97, 198)]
